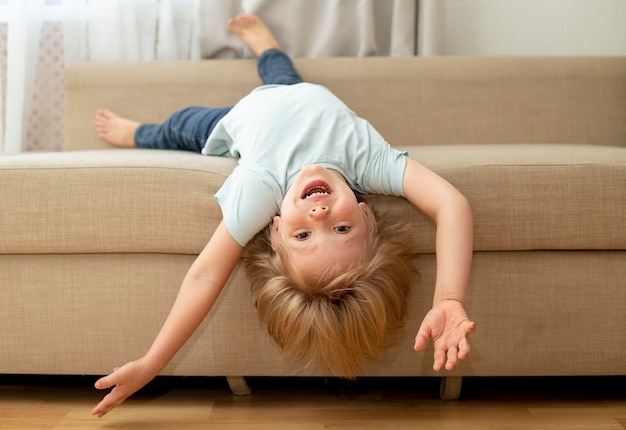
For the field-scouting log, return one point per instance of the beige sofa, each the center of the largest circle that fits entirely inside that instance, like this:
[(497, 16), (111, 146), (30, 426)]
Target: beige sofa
[(94, 241)]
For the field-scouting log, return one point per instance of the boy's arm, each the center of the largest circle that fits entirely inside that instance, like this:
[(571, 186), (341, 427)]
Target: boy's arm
[(200, 288), (447, 323)]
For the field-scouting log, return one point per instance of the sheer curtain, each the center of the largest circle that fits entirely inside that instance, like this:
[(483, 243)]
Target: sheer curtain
[(38, 38)]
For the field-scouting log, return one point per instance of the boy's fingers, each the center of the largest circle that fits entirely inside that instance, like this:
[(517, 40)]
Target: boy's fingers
[(440, 359), (104, 406), (421, 340), (105, 382), (464, 349), (452, 359), (471, 327)]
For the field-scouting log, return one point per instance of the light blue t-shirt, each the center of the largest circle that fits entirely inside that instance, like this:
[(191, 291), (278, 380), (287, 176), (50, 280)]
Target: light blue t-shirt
[(277, 130)]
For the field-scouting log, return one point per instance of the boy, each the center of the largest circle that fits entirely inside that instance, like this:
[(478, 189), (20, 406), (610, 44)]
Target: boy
[(333, 285)]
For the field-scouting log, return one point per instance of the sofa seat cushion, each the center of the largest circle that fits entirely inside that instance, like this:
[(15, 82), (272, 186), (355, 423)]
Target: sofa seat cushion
[(534, 196), (109, 201), (524, 197)]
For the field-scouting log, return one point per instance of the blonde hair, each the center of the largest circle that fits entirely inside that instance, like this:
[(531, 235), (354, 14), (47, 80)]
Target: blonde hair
[(339, 319)]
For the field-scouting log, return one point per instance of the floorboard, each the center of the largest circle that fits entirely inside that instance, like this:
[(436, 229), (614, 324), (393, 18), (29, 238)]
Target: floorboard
[(60, 403)]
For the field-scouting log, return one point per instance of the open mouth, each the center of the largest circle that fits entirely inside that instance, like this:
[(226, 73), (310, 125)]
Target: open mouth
[(316, 189)]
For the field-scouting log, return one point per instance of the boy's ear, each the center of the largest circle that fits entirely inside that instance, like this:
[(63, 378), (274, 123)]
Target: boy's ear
[(275, 222), (369, 216)]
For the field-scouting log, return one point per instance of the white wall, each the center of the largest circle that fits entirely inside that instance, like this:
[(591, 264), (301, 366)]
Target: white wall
[(532, 27)]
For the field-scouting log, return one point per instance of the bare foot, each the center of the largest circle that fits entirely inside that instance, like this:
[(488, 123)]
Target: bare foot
[(251, 30), (115, 130)]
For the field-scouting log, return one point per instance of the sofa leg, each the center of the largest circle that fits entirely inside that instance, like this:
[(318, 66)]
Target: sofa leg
[(238, 385), (450, 388)]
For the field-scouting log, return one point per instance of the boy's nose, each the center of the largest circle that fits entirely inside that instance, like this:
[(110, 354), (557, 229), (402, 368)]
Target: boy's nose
[(318, 211)]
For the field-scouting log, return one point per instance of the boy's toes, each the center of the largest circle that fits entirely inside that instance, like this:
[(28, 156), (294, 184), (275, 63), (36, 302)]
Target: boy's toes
[(233, 25), (104, 115), (247, 20)]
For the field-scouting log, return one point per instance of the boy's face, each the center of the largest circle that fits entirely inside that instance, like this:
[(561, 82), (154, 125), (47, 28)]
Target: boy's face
[(321, 221)]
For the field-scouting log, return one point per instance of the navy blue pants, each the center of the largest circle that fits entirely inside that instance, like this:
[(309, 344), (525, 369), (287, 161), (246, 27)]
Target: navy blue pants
[(189, 128)]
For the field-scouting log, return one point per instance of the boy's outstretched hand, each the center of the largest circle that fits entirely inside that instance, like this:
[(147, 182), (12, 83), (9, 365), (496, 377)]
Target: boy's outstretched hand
[(126, 380), (448, 326)]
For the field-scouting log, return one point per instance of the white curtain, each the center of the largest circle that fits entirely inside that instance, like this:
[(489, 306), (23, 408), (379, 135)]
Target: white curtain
[(431, 27), (41, 37), (319, 28)]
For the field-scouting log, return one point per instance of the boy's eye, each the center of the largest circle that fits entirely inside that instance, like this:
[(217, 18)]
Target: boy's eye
[(303, 236), (343, 229)]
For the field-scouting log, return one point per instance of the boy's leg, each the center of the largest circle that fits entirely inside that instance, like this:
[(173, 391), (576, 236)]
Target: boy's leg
[(275, 67), (186, 129)]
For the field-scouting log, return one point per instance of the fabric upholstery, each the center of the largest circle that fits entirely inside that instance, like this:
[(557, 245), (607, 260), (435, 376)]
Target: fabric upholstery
[(524, 197), (83, 313), (410, 100)]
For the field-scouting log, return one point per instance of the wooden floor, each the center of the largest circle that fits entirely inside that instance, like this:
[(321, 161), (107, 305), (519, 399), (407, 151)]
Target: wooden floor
[(315, 404)]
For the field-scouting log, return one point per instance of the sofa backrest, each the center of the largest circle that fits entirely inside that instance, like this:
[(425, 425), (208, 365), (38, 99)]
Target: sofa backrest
[(410, 100)]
